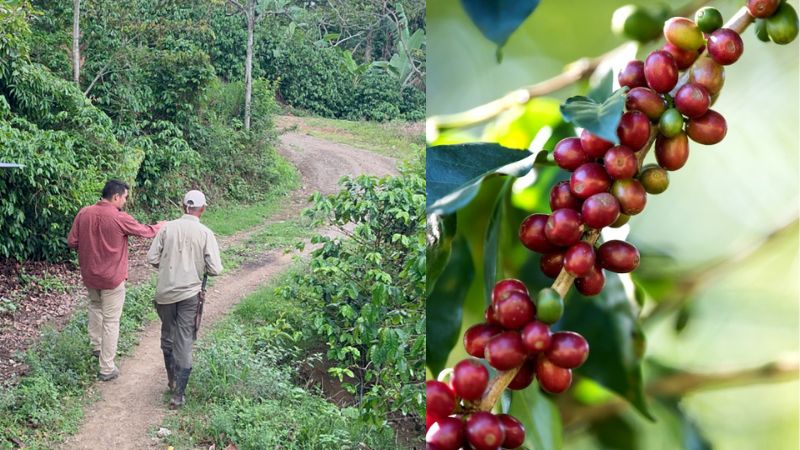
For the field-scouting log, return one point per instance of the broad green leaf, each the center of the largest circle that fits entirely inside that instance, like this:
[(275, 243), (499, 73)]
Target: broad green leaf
[(497, 19), (491, 242), (615, 338), (600, 118), (455, 172), (691, 435), (440, 233), (539, 416), (444, 306), (603, 89)]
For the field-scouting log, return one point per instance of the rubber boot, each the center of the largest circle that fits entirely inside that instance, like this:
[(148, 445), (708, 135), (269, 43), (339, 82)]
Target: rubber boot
[(169, 363), (181, 380)]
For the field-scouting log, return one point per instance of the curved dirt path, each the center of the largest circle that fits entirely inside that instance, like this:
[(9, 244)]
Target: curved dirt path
[(132, 407)]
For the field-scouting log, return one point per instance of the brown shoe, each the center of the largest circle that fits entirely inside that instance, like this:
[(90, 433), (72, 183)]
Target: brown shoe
[(111, 376)]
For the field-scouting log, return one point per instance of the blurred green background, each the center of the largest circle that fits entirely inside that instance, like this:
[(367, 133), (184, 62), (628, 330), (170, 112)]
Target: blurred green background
[(718, 209)]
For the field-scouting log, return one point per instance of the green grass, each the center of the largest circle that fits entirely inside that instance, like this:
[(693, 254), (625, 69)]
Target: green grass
[(277, 235), (243, 387), (394, 139), (47, 404), (229, 218)]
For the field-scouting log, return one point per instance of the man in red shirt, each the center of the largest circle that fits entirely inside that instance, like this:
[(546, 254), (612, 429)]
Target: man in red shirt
[(100, 234)]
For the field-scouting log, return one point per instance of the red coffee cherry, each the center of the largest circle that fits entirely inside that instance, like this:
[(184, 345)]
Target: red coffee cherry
[(476, 337), (579, 259), (568, 349), (569, 154), (661, 71), (429, 420), (514, 311), (692, 100), (564, 227), (708, 73), (762, 9), (490, 318), (593, 145), (440, 400), (446, 434), (633, 130), (552, 378), (620, 162), (562, 197), (592, 283), (725, 46), (683, 58), (469, 379), (647, 101), (552, 263), (505, 351), (531, 234), (505, 287), (484, 431), (707, 129), (672, 153), (515, 432), (525, 376), (618, 256), (587, 180), (631, 196), (632, 75), (536, 336), (600, 210)]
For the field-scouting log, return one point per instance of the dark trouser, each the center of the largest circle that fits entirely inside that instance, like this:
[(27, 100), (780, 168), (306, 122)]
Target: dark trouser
[(177, 338)]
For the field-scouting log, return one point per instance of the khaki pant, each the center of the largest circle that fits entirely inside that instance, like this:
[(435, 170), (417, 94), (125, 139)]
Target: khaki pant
[(105, 309)]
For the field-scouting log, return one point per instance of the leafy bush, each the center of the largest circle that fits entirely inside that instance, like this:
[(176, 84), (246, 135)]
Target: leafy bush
[(366, 290)]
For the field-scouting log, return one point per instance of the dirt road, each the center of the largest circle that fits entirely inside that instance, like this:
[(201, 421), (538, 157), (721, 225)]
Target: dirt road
[(132, 407)]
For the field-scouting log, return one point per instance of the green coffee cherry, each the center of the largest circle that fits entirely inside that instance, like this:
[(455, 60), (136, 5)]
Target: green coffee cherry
[(654, 179), (621, 220), (636, 23), (782, 26), (549, 306), (708, 19), (671, 122), (761, 30)]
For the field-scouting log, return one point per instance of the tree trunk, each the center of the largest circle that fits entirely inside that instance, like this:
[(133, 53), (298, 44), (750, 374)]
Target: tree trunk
[(248, 67), (76, 36), (368, 47)]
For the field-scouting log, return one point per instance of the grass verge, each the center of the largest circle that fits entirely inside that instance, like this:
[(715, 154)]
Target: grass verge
[(244, 386)]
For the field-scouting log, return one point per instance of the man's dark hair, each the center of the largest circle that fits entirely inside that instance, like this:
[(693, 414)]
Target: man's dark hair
[(114, 187)]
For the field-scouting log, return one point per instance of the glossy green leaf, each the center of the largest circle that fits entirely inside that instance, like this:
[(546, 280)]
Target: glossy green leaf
[(440, 231), (444, 306), (692, 436), (539, 416), (455, 172), (491, 242), (599, 117), (497, 19), (615, 433), (604, 88), (615, 337)]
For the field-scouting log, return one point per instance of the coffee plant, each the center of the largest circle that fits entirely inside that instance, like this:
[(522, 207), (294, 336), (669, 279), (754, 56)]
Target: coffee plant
[(664, 102)]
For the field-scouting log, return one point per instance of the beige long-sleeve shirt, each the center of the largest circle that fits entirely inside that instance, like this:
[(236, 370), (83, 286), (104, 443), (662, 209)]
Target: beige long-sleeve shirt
[(183, 250)]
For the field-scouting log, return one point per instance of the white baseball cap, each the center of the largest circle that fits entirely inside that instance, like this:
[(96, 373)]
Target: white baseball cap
[(194, 199)]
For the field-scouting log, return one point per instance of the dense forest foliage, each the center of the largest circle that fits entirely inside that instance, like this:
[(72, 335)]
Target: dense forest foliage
[(159, 98)]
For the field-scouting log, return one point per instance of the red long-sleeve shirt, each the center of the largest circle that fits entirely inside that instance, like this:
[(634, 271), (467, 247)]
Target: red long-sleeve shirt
[(100, 234)]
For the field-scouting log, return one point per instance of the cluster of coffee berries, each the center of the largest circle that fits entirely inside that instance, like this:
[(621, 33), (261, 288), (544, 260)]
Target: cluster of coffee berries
[(776, 20), (516, 335)]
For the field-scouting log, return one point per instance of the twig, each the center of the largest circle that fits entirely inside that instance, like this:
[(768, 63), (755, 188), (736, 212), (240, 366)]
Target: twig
[(679, 384), (575, 71), (739, 22)]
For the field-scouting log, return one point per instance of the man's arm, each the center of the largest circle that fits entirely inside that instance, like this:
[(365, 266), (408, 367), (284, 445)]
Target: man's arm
[(130, 227), (213, 261), (154, 254), (72, 238)]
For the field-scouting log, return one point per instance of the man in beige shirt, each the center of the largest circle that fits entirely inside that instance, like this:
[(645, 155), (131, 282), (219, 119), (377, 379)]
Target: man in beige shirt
[(184, 250)]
